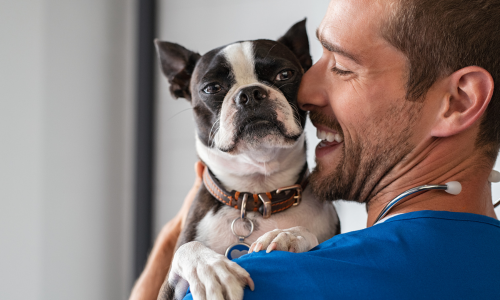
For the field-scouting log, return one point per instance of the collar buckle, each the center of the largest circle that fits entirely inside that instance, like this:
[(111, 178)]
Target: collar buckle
[(297, 188)]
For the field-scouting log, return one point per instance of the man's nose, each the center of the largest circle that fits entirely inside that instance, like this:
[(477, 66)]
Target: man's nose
[(312, 91)]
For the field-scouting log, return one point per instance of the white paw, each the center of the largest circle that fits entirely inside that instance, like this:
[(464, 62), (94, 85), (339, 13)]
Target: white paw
[(209, 274), (296, 239)]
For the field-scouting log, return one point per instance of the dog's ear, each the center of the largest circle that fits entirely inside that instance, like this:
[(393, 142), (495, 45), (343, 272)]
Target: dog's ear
[(296, 40), (177, 64)]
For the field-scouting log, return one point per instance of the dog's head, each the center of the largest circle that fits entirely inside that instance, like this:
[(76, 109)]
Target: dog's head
[(244, 95)]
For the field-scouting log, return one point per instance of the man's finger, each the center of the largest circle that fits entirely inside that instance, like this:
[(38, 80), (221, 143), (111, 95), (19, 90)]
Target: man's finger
[(199, 167)]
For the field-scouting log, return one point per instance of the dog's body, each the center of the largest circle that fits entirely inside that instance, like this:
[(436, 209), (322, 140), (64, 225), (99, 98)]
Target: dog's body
[(250, 136)]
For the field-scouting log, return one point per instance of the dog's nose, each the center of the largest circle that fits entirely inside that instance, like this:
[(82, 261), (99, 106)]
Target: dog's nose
[(251, 96)]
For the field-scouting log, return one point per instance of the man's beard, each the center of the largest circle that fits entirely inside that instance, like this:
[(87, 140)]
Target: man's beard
[(364, 163)]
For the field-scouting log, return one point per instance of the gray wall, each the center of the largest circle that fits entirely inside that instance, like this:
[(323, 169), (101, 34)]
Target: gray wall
[(66, 129), (202, 25)]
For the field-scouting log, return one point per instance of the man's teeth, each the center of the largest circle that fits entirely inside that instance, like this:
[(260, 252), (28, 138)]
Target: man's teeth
[(320, 134), (329, 136)]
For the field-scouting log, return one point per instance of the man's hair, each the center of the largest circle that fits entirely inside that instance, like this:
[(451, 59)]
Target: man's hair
[(440, 37)]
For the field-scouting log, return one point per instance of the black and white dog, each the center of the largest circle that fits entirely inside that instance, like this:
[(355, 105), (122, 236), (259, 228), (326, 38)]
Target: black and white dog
[(250, 136)]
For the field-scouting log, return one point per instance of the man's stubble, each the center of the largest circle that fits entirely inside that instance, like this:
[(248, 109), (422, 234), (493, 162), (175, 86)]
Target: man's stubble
[(364, 163)]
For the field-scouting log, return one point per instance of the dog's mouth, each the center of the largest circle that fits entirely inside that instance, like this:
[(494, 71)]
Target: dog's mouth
[(265, 126), (255, 129), (264, 129), (259, 127)]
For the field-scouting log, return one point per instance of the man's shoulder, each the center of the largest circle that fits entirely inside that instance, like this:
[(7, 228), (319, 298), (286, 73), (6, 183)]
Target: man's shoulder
[(428, 247)]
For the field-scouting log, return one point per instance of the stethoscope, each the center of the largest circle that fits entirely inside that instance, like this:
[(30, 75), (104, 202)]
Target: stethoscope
[(452, 187)]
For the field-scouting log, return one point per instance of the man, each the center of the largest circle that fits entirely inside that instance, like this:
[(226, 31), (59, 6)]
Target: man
[(409, 84)]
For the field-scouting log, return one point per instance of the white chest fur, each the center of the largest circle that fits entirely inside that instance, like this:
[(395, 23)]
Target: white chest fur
[(255, 172), (320, 217)]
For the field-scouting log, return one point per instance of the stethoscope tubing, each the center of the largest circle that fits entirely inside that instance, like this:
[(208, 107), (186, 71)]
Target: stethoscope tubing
[(407, 193), (451, 187)]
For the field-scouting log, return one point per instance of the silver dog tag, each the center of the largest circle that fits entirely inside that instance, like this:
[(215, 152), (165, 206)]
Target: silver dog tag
[(241, 248)]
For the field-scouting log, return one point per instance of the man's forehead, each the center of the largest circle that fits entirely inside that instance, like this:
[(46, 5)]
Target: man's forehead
[(355, 25)]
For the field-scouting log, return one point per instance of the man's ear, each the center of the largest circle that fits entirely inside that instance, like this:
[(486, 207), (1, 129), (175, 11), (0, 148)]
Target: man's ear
[(469, 93), (296, 40), (177, 64)]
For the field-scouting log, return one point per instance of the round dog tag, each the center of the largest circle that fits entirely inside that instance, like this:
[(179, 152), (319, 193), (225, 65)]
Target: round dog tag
[(241, 248), (237, 250)]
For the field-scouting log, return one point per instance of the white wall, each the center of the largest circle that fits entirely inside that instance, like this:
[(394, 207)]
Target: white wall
[(495, 190), (66, 129), (202, 25)]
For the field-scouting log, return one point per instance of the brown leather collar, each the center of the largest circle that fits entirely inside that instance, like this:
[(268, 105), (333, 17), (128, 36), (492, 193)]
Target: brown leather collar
[(266, 203)]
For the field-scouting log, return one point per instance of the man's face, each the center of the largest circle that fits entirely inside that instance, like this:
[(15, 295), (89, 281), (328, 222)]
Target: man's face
[(357, 89)]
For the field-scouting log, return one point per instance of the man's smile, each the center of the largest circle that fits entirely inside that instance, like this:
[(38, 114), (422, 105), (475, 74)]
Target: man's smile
[(330, 139)]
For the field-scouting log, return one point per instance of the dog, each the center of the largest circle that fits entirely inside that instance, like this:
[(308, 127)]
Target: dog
[(249, 134)]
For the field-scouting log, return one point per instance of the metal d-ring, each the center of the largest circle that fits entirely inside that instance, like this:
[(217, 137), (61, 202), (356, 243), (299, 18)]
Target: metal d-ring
[(242, 237), (266, 205), (244, 206)]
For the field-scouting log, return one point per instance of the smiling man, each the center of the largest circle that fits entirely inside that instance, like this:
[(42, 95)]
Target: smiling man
[(409, 86)]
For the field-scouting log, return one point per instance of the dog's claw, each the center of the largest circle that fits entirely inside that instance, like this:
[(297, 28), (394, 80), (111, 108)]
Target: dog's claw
[(271, 247), (250, 284)]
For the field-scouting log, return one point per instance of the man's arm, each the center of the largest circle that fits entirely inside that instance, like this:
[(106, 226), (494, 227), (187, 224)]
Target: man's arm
[(151, 279)]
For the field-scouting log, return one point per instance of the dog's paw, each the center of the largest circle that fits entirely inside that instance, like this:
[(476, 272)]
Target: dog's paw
[(209, 274), (296, 239)]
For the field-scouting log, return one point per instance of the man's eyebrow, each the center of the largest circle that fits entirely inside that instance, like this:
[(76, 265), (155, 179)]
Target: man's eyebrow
[(334, 48)]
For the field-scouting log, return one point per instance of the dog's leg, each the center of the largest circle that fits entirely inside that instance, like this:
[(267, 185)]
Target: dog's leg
[(296, 239), (173, 288), (210, 275)]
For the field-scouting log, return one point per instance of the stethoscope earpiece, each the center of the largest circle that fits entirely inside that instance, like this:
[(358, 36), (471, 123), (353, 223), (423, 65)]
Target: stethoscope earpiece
[(454, 187), (494, 176)]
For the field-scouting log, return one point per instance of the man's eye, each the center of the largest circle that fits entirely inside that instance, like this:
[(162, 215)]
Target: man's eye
[(212, 88), (284, 75), (341, 72)]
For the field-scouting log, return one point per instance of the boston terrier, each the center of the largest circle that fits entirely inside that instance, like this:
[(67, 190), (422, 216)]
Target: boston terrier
[(250, 136)]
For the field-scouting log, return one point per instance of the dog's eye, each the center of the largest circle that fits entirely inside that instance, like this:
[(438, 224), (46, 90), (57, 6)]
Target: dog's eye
[(212, 88), (284, 75)]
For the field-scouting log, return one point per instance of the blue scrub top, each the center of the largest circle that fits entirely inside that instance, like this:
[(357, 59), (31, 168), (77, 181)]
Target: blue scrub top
[(418, 255)]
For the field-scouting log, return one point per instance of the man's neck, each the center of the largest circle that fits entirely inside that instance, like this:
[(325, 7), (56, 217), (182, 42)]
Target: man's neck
[(437, 162)]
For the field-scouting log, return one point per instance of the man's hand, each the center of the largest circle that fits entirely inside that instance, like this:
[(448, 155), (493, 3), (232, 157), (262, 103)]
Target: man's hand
[(296, 239), (155, 272)]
